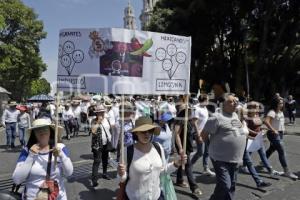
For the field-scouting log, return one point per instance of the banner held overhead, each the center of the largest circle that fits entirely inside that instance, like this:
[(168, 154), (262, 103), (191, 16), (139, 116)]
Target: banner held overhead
[(122, 61)]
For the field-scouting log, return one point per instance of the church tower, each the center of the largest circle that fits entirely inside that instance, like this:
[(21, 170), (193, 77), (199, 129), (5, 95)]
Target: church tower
[(129, 18), (146, 14)]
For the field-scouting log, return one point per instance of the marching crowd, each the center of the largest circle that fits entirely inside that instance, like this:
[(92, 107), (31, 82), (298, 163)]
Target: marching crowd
[(225, 131)]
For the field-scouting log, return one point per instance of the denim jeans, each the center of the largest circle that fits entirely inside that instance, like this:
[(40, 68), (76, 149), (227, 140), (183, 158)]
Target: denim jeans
[(10, 133), (22, 132), (263, 156), (202, 150), (189, 174), (67, 128), (276, 144), (226, 175), (99, 155), (75, 128), (248, 162)]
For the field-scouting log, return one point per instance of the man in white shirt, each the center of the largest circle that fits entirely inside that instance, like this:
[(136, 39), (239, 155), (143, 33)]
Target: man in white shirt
[(52, 109), (76, 110), (84, 114), (200, 115), (67, 116), (9, 121)]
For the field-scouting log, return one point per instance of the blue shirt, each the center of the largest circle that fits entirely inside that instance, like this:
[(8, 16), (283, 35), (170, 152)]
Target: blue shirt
[(128, 138), (165, 139)]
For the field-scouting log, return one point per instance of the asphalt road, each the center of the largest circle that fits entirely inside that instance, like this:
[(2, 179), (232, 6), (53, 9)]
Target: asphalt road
[(78, 185)]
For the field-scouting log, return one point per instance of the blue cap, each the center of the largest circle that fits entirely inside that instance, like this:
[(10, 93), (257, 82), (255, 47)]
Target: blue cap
[(166, 117)]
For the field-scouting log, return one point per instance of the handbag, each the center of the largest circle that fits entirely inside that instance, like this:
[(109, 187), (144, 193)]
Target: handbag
[(167, 187), (49, 190), (109, 146), (121, 194)]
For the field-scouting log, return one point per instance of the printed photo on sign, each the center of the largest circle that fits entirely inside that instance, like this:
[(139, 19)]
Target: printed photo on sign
[(123, 61), (119, 61)]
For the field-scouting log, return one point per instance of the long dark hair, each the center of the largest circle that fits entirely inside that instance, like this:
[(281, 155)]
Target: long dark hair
[(274, 103), (32, 139)]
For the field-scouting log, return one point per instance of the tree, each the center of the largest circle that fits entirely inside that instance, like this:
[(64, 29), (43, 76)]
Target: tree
[(40, 86), (229, 35), (20, 35)]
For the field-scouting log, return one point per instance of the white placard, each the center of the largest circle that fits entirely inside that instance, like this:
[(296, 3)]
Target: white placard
[(122, 61)]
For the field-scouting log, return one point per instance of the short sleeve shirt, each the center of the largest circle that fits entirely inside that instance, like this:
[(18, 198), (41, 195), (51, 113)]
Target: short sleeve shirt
[(277, 121), (227, 137), (200, 113)]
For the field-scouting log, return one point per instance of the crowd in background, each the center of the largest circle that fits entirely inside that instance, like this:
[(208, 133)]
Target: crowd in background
[(224, 129)]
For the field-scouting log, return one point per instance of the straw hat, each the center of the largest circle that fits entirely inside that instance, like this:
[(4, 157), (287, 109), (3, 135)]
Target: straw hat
[(145, 124), (108, 103), (99, 109), (93, 103), (12, 103), (39, 123), (75, 102), (127, 107)]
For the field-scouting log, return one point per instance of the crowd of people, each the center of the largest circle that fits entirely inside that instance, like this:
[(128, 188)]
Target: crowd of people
[(224, 131)]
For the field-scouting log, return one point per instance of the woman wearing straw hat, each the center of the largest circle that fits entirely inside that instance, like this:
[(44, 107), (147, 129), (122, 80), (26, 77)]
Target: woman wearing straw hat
[(100, 137), (32, 165), (148, 162)]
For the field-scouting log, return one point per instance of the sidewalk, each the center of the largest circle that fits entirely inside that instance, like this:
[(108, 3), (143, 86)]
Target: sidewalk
[(293, 128)]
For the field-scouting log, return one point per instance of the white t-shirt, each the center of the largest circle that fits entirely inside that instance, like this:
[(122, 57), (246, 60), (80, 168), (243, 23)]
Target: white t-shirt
[(52, 109), (116, 111), (67, 114), (84, 107), (277, 121), (201, 113), (111, 117), (172, 109), (106, 126), (76, 110), (24, 120)]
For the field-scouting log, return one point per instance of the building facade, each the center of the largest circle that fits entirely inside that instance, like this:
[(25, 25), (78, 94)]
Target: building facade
[(129, 17)]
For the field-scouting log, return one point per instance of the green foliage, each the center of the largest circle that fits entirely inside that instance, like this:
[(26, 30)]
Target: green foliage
[(40, 86), (228, 35), (20, 35)]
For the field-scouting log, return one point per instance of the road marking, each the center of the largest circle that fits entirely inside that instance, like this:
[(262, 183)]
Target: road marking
[(82, 162)]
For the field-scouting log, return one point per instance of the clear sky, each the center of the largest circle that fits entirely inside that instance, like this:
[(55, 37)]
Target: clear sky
[(58, 14)]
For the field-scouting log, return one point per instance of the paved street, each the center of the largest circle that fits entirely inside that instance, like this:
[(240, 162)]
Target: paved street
[(78, 185)]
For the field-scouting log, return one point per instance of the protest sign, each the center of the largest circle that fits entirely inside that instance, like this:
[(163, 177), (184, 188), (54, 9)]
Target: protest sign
[(122, 61)]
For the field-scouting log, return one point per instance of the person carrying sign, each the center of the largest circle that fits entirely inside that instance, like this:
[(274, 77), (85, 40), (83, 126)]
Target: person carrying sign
[(179, 132), (36, 164), (142, 175)]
